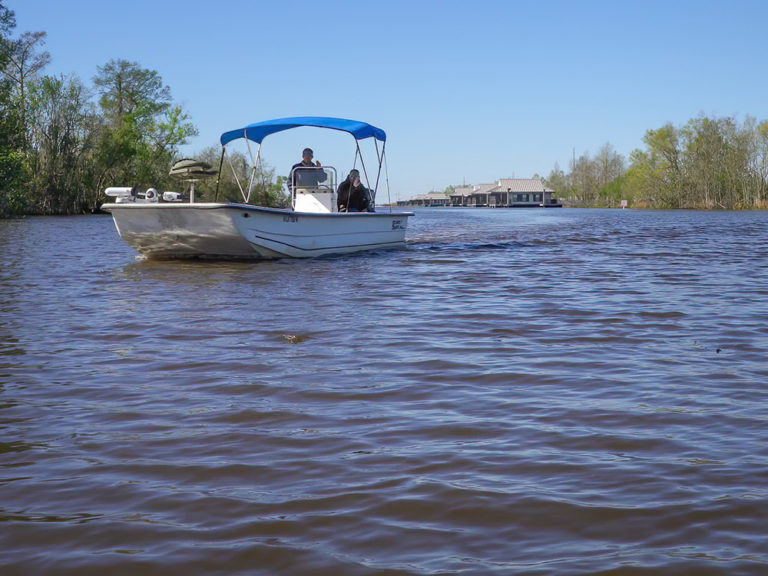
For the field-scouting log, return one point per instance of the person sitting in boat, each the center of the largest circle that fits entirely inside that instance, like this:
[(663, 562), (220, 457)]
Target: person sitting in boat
[(352, 196), (307, 174)]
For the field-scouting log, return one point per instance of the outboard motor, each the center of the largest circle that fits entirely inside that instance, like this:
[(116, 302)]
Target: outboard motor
[(121, 194)]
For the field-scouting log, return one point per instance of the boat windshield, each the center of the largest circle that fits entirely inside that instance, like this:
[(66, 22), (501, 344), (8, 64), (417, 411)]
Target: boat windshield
[(313, 177)]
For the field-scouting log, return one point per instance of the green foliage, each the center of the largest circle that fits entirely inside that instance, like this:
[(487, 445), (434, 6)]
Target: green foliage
[(233, 179), (557, 181), (62, 143), (60, 162), (710, 163), (11, 168), (624, 187), (127, 89), (25, 60), (11, 162), (59, 150), (141, 128)]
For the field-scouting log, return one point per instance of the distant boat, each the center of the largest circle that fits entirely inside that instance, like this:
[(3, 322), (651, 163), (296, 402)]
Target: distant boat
[(169, 226)]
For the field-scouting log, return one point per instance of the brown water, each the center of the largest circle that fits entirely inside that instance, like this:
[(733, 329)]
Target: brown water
[(516, 392)]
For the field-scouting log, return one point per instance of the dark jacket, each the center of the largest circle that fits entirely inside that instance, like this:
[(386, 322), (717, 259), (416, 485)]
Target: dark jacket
[(353, 198)]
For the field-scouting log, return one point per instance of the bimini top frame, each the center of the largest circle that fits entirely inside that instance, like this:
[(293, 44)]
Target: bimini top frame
[(359, 130)]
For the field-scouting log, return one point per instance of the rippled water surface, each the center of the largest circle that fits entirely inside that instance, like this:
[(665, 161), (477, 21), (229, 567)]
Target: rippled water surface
[(516, 392)]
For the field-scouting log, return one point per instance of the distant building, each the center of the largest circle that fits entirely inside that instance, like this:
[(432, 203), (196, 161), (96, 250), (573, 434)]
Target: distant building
[(429, 199), (461, 195), (506, 192)]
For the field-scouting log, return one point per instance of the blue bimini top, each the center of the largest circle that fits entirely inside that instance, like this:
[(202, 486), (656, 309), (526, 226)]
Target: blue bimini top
[(257, 132)]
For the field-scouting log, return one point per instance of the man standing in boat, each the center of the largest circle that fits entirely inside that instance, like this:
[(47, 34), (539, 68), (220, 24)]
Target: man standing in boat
[(307, 174)]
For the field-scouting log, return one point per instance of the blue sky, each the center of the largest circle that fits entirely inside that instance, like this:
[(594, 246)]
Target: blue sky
[(467, 91)]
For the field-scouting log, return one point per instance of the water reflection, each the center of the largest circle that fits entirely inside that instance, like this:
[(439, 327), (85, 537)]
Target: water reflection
[(560, 391), (16, 446)]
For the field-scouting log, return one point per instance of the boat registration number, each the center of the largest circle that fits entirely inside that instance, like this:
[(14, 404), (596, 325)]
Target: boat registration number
[(398, 225), (290, 218)]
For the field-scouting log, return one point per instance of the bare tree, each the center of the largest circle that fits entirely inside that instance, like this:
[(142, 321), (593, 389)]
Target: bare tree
[(610, 165), (24, 61)]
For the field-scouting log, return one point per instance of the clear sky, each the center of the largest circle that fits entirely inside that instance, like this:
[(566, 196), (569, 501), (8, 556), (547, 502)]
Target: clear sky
[(467, 91)]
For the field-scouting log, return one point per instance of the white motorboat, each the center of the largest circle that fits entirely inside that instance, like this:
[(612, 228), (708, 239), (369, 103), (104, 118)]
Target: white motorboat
[(168, 225)]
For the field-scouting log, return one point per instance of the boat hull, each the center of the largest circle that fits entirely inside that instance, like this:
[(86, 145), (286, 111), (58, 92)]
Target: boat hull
[(235, 231)]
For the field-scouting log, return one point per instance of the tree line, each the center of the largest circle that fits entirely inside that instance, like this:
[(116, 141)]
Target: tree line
[(709, 163), (62, 142)]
